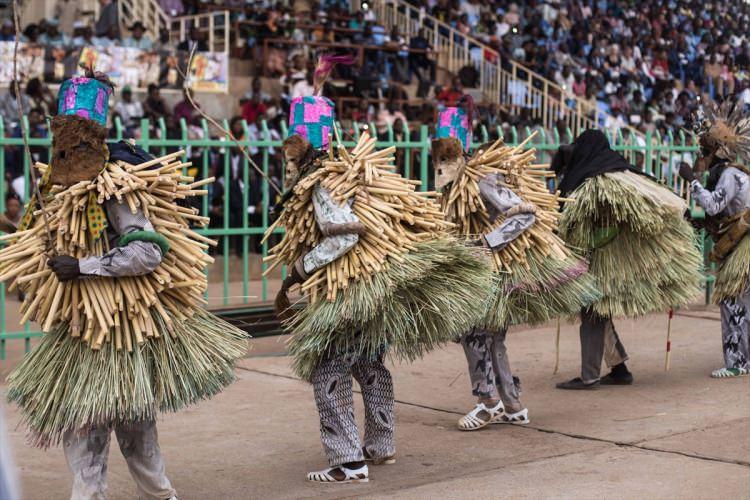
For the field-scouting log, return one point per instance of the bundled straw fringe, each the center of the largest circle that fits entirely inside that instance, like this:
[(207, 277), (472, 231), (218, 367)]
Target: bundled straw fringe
[(733, 275), (406, 284), (412, 307), (537, 277), (653, 263), (62, 385), (117, 350)]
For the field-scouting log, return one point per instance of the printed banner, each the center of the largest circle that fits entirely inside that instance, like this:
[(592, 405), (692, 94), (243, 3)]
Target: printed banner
[(135, 68)]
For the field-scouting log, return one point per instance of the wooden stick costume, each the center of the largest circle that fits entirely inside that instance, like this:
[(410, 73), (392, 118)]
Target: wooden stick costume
[(380, 272), (498, 199), (642, 251), (114, 275), (725, 150), (499, 196)]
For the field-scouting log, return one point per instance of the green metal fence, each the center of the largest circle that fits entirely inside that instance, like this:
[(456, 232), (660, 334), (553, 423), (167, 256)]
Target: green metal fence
[(413, 145)]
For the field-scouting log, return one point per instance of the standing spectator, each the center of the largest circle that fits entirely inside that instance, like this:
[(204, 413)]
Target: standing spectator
[(422, 63), (130, 111), (154, 106), (138, 39), (399, 58), (449, 96), (108, 19), (184, 109), (13, 211), (253, 108), (173, 8), (9, 106), (196, 38), (67, 13)]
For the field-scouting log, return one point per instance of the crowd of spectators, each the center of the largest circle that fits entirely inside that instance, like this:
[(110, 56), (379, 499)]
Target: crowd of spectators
[(647, 63)]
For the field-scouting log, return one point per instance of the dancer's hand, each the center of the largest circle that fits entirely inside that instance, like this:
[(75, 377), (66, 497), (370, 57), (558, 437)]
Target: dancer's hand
[(686, 172), (65, 267)]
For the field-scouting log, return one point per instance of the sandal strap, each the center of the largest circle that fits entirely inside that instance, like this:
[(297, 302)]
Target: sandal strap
[(324, 476)]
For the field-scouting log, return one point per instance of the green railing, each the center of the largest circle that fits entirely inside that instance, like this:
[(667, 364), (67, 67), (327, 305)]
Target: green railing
[(413, 146)]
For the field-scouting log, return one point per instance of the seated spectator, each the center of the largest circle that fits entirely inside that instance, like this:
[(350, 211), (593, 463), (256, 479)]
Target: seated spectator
[(108, 19), (138, 39), (256, 89), (53, 36), (399, 59), (164, 44), (449, 96), (31, 33), (196, 38), (154, 107), (85, 39), (13, 211), (9, 106), (130, 111), (7, 32), (41, 97)]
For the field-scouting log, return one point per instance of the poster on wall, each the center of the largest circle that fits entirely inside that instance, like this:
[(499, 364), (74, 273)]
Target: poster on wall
[(209, 71), (30, 61), (131, 67)]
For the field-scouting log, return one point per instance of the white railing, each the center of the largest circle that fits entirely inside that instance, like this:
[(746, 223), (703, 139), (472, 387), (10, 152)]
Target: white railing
[(512, 85), (216, 25), (149, 12)]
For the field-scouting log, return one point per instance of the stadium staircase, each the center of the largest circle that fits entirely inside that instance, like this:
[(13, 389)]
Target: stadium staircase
[(512, 85)]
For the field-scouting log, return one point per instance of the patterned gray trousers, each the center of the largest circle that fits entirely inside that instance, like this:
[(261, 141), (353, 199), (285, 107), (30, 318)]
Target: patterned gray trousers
[(599, 340), (735, 331), (332, 383), (87, 455), (489, 368)]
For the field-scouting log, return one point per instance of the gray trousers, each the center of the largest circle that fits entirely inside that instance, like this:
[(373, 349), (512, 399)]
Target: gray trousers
[(735, 331), (599, 340), (87, 455), (489, 368), (332, 383)]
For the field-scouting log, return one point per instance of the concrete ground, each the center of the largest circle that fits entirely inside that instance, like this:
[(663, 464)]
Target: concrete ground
[(676, 434)]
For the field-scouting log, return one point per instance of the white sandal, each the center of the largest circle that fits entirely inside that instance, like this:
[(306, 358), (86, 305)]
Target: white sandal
[(360, 475), (518, 418), (472, 422), (729, 372)]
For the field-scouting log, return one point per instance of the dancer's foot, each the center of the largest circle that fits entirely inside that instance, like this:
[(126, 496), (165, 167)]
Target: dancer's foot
[(480, 416), (378, 460), (352, 472), (729, 372), (620, 375), (518, 418), (577, 384)]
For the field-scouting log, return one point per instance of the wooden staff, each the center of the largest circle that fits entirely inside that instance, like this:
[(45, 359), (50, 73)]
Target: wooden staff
[(668, 354)]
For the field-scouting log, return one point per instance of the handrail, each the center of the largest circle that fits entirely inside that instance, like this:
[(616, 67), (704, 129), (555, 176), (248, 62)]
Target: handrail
[(148, 12), (216, 24), (507, 82)]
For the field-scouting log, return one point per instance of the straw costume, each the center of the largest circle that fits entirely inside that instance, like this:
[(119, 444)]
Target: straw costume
[(643, 252), (114, 276), (380, 272), (725, 151), (499, 197)]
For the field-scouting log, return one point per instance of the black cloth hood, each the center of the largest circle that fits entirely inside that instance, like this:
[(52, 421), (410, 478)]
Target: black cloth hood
[(129, 153), (588, 156)]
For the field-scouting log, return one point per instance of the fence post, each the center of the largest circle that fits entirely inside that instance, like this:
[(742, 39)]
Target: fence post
[(424, 139)]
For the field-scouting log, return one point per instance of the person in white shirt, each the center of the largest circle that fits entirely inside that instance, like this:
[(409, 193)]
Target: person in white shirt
[(130, 111)]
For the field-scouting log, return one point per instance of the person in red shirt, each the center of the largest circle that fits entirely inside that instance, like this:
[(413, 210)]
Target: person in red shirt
[(253, 108), (449, 96)]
